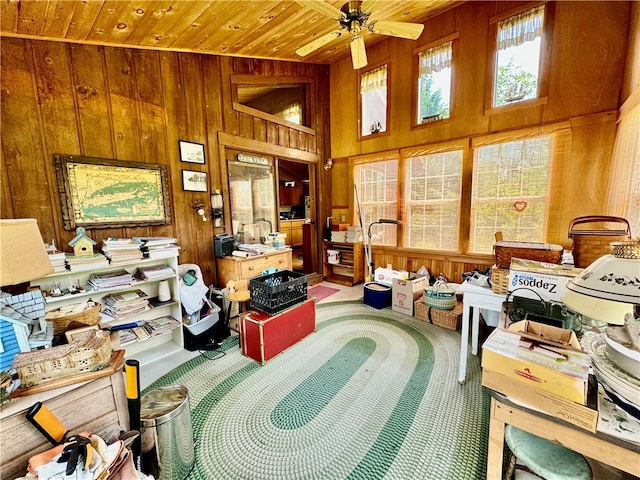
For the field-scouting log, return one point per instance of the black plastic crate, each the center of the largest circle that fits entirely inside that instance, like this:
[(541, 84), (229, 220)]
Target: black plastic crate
[(278, 291)]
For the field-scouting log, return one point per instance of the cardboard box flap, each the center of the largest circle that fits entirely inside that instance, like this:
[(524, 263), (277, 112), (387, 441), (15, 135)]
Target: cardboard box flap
[(547, 334)]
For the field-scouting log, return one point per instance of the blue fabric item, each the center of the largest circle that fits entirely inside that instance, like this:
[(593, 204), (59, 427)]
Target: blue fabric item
[(545, 458)]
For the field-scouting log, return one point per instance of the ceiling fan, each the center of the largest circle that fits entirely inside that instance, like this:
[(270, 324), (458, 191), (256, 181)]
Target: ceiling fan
[(354, 17)]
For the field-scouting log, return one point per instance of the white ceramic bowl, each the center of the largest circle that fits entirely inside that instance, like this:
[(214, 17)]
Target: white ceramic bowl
[(623, 357)]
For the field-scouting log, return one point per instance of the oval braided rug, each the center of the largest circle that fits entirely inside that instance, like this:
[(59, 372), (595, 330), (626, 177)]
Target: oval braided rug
[(371, 394)]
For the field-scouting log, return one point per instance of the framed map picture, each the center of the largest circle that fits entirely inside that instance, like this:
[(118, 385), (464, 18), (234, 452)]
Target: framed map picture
[(103, 193), (191, 152)]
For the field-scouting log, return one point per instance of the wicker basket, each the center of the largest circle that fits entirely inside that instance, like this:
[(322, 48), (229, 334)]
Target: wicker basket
[(589, 245), (499, 280), (90, 316), (540, 252), (451, 319), (440, 296)]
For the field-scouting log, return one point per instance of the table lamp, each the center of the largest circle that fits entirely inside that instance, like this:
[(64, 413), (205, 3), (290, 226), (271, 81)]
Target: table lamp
[(609, 288), (23, 258), (369, 253)]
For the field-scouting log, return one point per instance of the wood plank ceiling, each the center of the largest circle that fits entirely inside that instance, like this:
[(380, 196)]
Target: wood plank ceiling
[(270, 29)]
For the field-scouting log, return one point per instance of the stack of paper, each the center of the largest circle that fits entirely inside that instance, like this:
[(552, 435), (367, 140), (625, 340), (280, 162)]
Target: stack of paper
[(57, 260), (125, 304), (121, 250), (85, 262), (339, 236), (159, 326), (158, 247), (354, 234)]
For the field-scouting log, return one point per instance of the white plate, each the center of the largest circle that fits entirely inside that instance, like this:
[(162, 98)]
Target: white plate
[(593, 343), (623, 357)]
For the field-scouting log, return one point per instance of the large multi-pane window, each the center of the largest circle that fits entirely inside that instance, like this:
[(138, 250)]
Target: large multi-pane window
[(509, 192), (373, 100), (377, 195), (519, 39), (432, 200), (434, 83)]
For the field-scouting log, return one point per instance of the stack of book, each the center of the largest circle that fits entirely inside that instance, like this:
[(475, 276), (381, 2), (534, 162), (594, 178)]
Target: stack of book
[(354, 234), (154, 273), (158, 247), (123, 305), (85, 262), (57, 260), (121, 250), (106, 280)]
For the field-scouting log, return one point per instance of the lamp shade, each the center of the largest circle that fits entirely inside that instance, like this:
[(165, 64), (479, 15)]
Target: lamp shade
[(597, 308), (610, 278), (23, 256)]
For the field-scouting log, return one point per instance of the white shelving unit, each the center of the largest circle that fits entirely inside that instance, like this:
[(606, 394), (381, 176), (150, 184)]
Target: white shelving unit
[(145, 351)]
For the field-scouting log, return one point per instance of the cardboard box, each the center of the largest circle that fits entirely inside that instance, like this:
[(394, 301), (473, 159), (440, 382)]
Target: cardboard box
[(406, 291), (386, 275), (583, 416), (541, 356), (546, 279)]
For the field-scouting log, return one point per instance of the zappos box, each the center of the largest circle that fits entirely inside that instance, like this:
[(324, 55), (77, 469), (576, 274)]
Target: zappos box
[(405, 292), (547, 280)]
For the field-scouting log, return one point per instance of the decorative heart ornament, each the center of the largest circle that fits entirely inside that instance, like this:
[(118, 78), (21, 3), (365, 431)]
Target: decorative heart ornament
[(520, 206)]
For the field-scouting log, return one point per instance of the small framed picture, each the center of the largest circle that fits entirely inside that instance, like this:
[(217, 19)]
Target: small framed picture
[(76, 333), (191, 152), (194, 181)]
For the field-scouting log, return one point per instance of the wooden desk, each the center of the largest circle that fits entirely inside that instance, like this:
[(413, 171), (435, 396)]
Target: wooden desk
[(474, 298), (96, 406), (616, 452), (236, 268)]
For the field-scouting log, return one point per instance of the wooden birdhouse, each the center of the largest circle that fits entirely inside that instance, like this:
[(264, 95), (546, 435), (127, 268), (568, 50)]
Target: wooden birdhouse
[(81, 244)]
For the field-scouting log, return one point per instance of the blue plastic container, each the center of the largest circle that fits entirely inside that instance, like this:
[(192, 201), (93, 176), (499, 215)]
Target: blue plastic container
[(377, 295)]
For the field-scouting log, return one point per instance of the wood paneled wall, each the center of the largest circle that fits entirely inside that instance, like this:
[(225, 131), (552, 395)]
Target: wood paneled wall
[(587, 59), (134, 105)]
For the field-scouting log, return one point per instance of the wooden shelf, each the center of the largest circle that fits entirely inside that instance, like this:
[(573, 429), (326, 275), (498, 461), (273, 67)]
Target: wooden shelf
[(350, 270)]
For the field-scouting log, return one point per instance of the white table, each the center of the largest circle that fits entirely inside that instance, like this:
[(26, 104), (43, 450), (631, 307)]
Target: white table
[(473, 300)]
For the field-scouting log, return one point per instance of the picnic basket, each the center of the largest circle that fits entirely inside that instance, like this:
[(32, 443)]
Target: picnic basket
[(499, 280), (591, 244), (541, 252), (440, 295)]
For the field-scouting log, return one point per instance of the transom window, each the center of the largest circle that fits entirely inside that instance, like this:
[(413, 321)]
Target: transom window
[(434, 83), (518, 57), (373, 98), (377, 190), (509, 192), (432, 200)]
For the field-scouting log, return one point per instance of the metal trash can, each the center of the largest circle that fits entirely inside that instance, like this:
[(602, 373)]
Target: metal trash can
[(166, 435)]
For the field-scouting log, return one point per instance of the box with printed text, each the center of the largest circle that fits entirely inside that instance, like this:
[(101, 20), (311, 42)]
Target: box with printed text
[(404, 292)]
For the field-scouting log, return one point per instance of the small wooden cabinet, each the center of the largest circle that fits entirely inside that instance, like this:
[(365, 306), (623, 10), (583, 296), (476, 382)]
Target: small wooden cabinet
[(293, 229), (350, 269), (237, 268)]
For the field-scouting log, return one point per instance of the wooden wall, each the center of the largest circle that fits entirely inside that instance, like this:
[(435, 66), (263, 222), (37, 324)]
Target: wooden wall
[(587, 58), (135, 105)]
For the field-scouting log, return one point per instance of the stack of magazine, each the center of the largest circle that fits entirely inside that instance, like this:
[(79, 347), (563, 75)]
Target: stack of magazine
[(123, 305), (154, 272), (106, 280), (151, 328), (85, 262)]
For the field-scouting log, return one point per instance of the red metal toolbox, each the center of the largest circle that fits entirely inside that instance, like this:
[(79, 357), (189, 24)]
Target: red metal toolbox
[(263, 336)]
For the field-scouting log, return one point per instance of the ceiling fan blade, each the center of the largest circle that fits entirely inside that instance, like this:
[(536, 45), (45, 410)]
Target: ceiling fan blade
[(322, 7), (370, 6), (397, 29), (317, 43), (358, 52)]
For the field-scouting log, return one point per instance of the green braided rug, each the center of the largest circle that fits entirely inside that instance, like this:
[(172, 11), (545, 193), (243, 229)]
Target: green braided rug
[(371, 394)]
